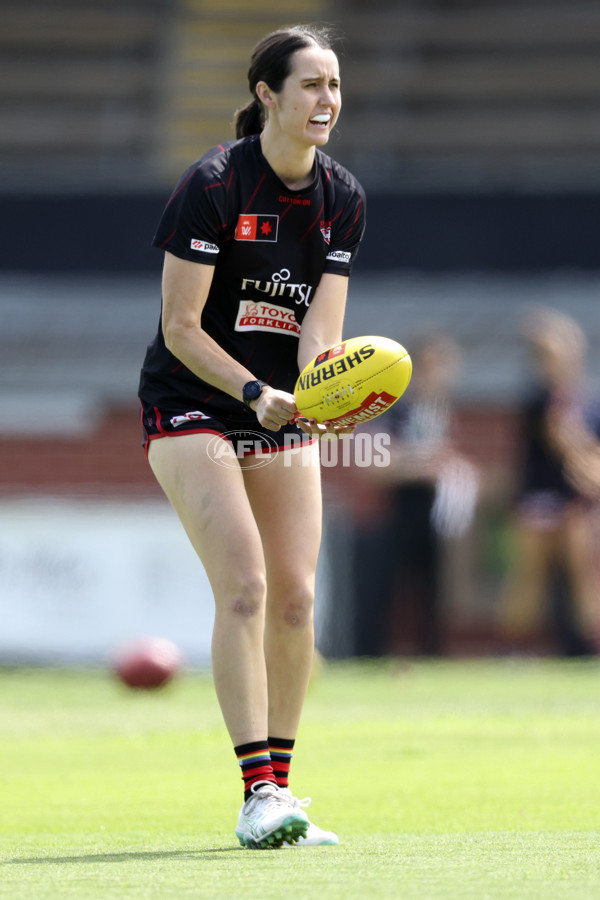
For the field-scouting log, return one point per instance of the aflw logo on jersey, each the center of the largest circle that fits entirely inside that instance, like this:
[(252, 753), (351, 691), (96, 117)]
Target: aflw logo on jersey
[(257, 228), (266, 317)]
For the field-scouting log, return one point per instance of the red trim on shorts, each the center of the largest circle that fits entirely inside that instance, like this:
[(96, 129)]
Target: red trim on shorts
[(158, 415), (283, 446), (274, 449), (146, 436), (168, 434)]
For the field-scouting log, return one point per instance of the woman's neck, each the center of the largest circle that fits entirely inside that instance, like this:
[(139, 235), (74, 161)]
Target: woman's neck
[(292, 165)]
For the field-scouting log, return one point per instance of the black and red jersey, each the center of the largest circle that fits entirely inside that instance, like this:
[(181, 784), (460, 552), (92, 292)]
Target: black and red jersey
[(269, 246)]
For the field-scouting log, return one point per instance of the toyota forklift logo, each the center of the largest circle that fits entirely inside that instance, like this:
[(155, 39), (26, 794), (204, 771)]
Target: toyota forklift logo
[(257, 449)]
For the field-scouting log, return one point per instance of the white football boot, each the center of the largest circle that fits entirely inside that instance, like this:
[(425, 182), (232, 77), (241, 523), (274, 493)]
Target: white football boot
[(267, 819), (315, 836)]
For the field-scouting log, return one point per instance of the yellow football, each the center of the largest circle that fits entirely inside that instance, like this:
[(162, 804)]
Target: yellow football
[(354, 381)]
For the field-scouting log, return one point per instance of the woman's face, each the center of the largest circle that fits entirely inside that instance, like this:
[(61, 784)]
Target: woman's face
[(309, 103), (556, 359)]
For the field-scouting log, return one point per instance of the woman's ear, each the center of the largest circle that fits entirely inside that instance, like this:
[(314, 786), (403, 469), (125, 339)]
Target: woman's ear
[(264, 94)]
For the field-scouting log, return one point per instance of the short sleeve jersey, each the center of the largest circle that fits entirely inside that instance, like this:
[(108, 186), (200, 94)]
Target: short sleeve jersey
[(269, 247), (542, 468)]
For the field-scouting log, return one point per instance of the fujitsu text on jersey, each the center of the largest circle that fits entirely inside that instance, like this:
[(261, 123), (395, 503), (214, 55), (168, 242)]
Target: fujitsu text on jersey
[(280, 287)]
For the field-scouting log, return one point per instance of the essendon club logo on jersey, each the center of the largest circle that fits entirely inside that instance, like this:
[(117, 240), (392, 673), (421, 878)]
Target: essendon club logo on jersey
[(257, 228), (326, 231)]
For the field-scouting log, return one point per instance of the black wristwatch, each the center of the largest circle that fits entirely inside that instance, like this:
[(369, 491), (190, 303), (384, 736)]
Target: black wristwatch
[(252, 390)]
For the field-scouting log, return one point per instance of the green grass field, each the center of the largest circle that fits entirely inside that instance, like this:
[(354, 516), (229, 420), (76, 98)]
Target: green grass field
[(477, 779)]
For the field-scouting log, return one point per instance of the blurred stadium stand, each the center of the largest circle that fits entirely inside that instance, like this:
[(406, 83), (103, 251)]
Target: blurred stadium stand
[(473, 94), (474, 125), (80, 93), (438, 95)]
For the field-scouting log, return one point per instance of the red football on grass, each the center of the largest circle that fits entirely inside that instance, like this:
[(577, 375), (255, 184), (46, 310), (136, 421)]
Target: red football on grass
[(148, 662)]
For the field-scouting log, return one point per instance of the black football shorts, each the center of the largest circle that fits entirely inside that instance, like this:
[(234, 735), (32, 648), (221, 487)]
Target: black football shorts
[(246, 438)]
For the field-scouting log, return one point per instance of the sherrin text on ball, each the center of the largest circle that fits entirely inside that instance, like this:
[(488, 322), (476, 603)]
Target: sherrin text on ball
[(354, 381)]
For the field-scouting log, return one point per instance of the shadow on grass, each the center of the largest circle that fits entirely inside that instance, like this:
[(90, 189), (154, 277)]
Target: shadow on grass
[(126, 856)]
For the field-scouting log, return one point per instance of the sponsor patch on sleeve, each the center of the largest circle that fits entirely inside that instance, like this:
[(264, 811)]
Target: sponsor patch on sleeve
[(203, 246), (339, 256)]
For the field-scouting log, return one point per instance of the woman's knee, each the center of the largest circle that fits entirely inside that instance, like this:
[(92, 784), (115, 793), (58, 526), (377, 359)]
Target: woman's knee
[(293, 607), (243, 597)]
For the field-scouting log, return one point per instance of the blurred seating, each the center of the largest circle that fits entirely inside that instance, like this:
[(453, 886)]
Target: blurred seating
[(210, 51), (473, 92), (461, 94), (79, 86), (123, 93)]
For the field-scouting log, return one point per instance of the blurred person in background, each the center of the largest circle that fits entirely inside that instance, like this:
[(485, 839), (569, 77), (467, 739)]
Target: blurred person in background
[(259, 237), (429, 492), (555, 506)]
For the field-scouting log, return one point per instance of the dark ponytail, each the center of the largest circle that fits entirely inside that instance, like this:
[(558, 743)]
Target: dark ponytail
[(271, 63), (249, 120)]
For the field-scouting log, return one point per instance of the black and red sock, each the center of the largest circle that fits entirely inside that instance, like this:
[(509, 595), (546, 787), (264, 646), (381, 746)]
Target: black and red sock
[(280, 750), (255, 763)]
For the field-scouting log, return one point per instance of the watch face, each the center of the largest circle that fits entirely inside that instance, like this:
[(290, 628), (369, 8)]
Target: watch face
[(252, 390)]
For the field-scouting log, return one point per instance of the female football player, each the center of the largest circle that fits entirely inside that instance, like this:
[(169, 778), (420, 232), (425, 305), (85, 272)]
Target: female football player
[(555, 513), (259, 238)]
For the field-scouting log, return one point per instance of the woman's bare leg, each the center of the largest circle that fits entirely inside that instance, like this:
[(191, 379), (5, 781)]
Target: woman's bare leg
[(286, 501), (579, 553), (524, 597), (211, 502)]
